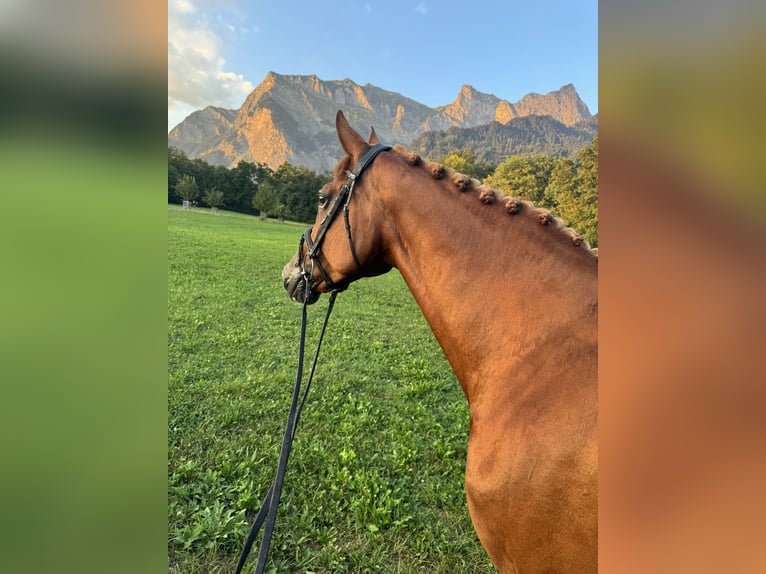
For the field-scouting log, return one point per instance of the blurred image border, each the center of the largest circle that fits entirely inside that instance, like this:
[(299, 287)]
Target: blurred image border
[(83, 298)]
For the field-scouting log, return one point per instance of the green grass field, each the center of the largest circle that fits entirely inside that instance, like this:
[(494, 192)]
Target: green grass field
[(375, 479)]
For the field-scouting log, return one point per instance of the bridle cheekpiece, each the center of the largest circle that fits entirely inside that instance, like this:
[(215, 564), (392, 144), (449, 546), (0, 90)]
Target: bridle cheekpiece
[(344, 199)]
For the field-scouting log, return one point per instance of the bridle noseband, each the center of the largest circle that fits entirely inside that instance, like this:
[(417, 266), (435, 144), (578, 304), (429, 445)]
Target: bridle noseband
[(344, 199)]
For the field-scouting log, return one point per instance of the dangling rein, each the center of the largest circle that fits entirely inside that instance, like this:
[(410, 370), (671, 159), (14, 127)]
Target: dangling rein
[(268, 510), (270, 504)]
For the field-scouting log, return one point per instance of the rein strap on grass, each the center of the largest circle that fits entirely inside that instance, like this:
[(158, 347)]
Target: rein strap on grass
[(268, 511)]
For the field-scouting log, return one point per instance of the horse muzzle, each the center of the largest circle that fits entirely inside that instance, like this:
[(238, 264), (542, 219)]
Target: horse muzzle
[(295, 284)]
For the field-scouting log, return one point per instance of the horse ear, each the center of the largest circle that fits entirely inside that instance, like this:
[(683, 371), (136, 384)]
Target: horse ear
[(351, 142), (373, 139)]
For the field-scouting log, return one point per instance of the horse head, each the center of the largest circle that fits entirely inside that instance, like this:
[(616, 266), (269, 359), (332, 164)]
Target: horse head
[(345, 242)]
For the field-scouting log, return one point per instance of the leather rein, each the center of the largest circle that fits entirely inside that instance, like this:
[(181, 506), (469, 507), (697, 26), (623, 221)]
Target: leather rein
[(267, 513)]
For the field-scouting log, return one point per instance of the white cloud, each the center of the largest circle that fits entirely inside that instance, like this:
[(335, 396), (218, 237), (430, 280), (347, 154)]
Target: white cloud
[(197, 75), (422, 8), (183, 6)]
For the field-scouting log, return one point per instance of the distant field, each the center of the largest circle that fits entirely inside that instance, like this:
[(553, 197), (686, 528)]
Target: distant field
[(375, 479)]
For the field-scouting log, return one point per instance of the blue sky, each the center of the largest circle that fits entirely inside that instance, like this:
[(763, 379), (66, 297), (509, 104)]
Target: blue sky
[(218, 52)]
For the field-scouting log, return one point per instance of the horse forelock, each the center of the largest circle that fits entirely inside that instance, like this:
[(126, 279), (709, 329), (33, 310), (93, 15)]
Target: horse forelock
[(488, 196)]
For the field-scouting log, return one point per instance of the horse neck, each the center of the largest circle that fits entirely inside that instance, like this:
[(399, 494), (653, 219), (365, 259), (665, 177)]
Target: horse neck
[(487, 282)]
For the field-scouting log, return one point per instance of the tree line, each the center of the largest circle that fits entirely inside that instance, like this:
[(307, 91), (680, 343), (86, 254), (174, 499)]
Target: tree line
[(567, 187), (253, 188)]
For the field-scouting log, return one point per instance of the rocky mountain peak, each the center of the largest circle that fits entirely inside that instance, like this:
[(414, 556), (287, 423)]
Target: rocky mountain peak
[(466, 92), (292, 118), (564, 105), (470, 107)]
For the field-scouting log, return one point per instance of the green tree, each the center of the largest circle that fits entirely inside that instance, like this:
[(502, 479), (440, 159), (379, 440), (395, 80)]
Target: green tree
[(573, 191), (586, 186), (186, 188), (178, 165), (245, 179), (279, 211), (561, 184), (214, 198), (524, 176), (464, 162), (266, 199), (297, 189)]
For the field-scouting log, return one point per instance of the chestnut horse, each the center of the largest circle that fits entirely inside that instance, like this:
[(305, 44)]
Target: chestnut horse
[(511, 296)]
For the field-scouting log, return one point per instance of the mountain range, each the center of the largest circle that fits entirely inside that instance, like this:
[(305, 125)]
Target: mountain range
[(291, 118)]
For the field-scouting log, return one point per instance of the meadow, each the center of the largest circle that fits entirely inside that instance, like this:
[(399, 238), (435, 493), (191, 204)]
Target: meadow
[(375, 478)]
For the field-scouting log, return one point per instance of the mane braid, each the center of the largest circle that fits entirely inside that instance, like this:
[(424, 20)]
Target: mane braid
[(463, 184)]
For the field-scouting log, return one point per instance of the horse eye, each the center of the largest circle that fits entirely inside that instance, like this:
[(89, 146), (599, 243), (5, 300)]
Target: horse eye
[(323, 199)]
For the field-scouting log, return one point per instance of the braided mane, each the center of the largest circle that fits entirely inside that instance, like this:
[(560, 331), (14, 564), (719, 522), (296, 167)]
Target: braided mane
[(488, 196)]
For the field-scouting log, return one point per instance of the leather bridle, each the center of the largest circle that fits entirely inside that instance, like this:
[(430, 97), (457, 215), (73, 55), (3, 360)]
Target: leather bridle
[(343, 199)]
